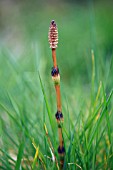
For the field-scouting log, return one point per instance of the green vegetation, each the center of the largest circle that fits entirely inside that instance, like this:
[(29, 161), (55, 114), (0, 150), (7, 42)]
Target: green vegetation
[(27, 97)]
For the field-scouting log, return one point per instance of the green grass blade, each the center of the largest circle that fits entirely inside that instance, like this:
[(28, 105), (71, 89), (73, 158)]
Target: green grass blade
[(35, 158), (10, 115), (107, 114), (89, 122), (8, 156), (20, 155), (13, 103), (2, 168), (93, 78), (47, 105), (6, 164), (99, 121)]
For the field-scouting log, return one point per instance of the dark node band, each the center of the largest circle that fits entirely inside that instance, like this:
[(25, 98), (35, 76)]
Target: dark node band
[(58, 115), (55, 71), (61, 150)]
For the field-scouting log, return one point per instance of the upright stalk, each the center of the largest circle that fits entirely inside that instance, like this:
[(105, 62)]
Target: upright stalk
[(53, 40)]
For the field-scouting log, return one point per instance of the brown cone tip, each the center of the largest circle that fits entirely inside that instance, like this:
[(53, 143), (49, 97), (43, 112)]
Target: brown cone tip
[(53, 35)]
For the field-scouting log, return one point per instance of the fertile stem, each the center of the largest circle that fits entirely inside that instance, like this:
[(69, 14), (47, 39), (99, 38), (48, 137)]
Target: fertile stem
[(53, 40), (54, 57), (57, 87)]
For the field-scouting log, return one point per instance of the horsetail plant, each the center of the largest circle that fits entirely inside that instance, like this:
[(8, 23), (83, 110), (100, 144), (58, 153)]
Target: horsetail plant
[(53, 40)]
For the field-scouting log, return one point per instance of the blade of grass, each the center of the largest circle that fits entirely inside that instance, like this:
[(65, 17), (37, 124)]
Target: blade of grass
[(16, 120), (78, 149), (2, 168), (40, 155), (7, 133), (10, 115), (107, 114), (6, 164), (73, 135), (89, 123), (13, 104), (93, 78), (95, 111), (47, 106), (16, 109), (35, 158), (20, 155), (51, 147), (8, 156), (98, 94), (99, 121)]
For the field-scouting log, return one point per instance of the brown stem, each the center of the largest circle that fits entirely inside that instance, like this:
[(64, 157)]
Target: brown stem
[(60, 137), (54, 57), (57, 87)]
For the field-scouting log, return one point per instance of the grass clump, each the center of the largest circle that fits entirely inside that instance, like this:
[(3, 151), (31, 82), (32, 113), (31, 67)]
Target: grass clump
[(87, 135)]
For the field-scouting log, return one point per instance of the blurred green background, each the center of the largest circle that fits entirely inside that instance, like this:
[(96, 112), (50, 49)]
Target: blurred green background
[(24, 50), (83, 25)]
